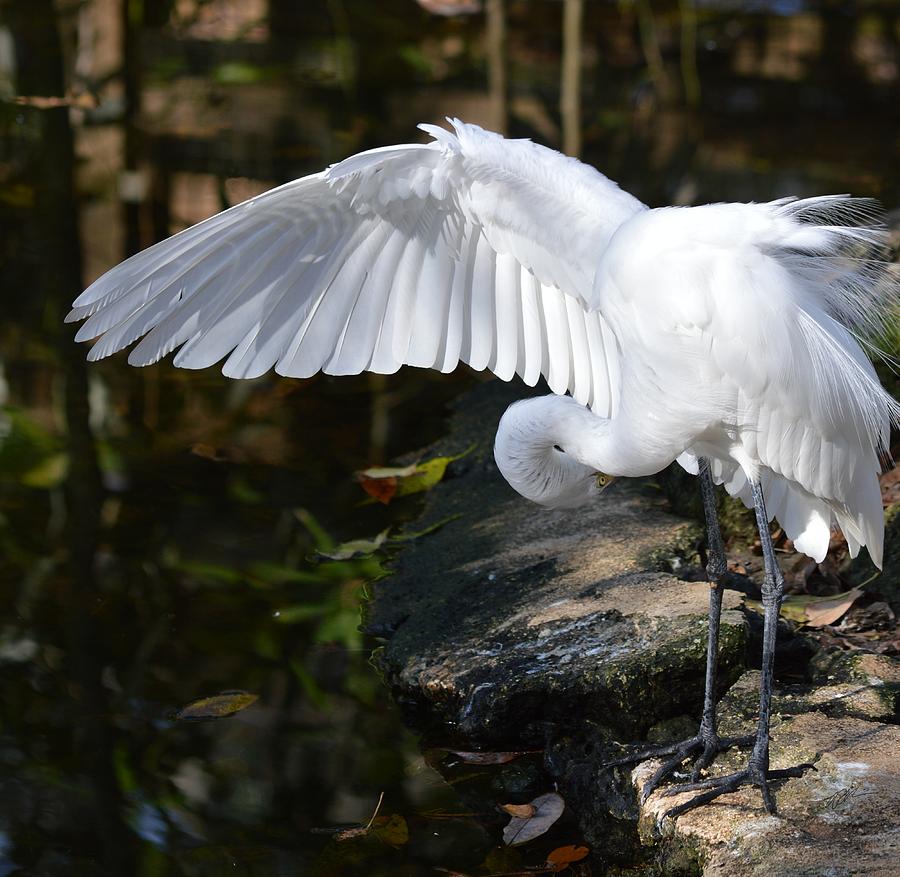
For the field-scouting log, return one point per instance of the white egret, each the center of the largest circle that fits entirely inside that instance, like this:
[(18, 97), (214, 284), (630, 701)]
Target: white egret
[(722, 336)]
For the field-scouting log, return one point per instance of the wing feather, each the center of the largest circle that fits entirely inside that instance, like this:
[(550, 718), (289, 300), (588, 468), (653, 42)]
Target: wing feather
[(533, 335), (478, 344), (471, 248), (580, 377), (450, 353), (556, 326), (506, 317)]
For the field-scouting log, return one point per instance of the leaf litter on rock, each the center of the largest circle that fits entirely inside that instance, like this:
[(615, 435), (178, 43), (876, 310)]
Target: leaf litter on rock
[(383, 483)]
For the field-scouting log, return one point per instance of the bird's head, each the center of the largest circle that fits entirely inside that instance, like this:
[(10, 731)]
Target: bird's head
[(543, 449)]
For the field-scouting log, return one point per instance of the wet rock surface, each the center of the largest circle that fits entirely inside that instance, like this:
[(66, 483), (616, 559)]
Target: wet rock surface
[(512, 621), (511, 626)]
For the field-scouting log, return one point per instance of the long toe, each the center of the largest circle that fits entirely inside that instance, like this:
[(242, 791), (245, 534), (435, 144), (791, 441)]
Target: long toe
[(660, 751), (713, 787), (708, 746)]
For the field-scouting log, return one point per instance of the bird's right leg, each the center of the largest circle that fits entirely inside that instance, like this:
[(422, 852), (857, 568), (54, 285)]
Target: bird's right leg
[(757, 772), (707, 741)]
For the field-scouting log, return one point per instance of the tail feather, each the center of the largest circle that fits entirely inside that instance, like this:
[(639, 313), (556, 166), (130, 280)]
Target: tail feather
[(807, 519)]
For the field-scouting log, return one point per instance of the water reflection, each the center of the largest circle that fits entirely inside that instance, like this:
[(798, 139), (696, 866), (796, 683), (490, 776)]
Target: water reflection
[(155, 524)]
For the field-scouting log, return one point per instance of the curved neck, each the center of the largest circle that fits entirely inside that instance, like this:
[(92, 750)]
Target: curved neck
[(550, 449)]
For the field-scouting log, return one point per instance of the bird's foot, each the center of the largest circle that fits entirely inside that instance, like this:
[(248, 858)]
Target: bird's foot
[(705, 745), (752, 775)]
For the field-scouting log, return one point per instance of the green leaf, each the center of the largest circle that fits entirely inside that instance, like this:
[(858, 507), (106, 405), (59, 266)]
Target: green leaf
[(276, 574), (321, 539), (210, 572), (342, 627)]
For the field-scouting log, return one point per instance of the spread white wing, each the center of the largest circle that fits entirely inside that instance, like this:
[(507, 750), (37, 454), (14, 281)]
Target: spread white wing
[(472, 248)]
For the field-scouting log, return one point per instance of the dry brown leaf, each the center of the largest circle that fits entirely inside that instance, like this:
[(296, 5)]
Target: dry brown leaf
[(523, 811), (824, 612), (562, 857), (382, 489)]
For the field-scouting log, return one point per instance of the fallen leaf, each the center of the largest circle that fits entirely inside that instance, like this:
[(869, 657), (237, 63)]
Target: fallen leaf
[(392, 830), (350, 833), (381, 489), (547, 809), (562, 857), (812, 611), (216, 707), (354, 548), (409, 535), (523, 811), (383, 483), (377, 472), (818, 611), (208, 452), (489, 757), (830, 610)]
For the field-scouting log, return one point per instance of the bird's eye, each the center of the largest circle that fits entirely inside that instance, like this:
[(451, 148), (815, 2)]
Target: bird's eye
[(558, 448), (602, 480)]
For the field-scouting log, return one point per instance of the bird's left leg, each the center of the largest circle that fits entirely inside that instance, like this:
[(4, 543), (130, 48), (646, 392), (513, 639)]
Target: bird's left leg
[(707, 741), (757, 772)]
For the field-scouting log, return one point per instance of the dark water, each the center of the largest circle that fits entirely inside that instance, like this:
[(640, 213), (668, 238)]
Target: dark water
[(155, 525)]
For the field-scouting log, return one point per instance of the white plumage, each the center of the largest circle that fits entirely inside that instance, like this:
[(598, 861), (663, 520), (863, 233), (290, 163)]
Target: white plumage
[(727, 331)]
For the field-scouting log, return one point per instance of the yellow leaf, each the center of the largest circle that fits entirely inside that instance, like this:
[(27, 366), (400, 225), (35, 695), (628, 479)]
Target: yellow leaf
[(216, 707)]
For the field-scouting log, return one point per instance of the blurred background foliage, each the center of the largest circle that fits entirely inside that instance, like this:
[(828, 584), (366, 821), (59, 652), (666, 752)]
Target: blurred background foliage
[(156, 525)]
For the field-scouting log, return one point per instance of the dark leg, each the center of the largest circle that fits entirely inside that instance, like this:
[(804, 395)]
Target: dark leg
[(757, 772), (716, 567), (707, 742)]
